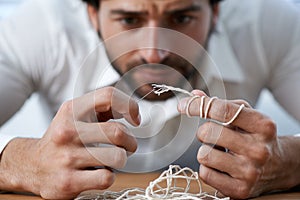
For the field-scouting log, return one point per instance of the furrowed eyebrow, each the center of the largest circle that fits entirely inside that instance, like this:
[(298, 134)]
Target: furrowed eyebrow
[(191, 8), (127, 12)]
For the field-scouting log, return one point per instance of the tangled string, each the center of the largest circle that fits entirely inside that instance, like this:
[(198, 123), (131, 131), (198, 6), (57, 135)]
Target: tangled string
[(164, 187)]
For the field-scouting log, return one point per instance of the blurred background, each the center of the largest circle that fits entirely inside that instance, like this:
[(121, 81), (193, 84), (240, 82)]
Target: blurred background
[(31, 118)]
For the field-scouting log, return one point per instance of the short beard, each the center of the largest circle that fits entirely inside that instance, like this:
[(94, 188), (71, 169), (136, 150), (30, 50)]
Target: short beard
[(192, 76)]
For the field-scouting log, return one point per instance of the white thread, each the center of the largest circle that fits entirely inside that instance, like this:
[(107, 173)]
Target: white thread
[(171, 191), (159, 89), (146, 95), (187, 108), (155, 191), (201, 106), (208, 106), (234, 117)]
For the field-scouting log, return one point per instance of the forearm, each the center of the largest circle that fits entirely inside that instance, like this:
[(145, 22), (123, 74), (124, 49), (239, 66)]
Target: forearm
[(14, 172), (290, 146), (283, 171)]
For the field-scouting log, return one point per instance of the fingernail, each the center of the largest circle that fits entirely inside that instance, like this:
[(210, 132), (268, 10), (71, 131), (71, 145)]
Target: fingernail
[(182, 104), (204, 151)]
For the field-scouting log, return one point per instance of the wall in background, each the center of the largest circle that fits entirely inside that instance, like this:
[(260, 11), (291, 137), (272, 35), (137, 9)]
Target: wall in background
[(31, 117), (7, 6)]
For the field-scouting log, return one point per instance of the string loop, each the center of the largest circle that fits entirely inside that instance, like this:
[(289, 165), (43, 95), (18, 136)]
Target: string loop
[(159, 89)]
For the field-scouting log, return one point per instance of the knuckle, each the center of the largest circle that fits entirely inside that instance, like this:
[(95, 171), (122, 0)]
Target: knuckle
[(264, 153), (63, 132), (227, 111), (62, 128), (261, 153), (251, 173), (270, 128), (67, 107), (69, 158), (65, 183), (243, 191)]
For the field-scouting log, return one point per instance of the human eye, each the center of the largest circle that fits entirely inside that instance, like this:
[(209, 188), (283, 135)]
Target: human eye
[(182, 19), (130, 21)]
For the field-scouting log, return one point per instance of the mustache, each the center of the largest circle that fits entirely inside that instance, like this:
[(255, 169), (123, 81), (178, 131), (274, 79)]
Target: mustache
[(174, 63)]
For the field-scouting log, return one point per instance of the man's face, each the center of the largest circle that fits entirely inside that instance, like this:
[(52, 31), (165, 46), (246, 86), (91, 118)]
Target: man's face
[(157, 64)]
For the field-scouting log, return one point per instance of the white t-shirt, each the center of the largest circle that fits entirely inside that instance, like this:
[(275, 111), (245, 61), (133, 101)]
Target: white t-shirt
[(44, 45)]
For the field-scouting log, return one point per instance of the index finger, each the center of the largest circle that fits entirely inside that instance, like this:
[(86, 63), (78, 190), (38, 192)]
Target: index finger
[(104, 100), (223, 112)]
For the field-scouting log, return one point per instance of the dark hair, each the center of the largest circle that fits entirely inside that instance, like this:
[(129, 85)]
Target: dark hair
[(95, 3)]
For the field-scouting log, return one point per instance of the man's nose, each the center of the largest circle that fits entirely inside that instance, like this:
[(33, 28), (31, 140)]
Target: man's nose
[(153, 55), (156, 41)]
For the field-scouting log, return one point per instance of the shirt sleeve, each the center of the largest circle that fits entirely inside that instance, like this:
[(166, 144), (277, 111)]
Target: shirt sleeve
[(22, 58), (280, 31), (15, 85)]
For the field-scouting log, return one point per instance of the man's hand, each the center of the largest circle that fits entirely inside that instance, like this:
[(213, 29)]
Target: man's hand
[(66, 160), (256, 161)]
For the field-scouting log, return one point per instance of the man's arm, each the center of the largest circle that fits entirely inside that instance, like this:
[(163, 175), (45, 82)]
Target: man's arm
[(23, 54), (15, 84), (65, 162)]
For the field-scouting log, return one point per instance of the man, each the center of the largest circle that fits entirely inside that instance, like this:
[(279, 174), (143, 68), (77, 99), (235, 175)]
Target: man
[(43, 47)]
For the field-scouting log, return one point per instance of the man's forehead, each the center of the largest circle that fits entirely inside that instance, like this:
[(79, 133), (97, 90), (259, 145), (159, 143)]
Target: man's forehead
[(146, 4)]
